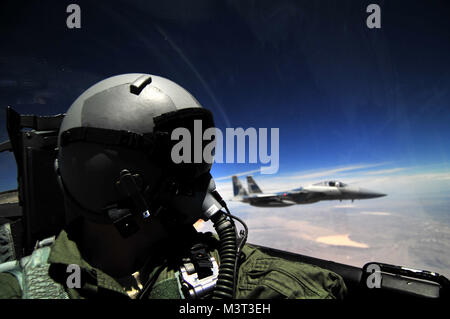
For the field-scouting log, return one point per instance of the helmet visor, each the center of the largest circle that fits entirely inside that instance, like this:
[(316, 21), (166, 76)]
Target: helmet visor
[(191, 141)]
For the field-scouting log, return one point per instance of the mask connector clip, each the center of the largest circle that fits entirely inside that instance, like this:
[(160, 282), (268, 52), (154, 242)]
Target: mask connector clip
[(123, 221), (128, 186)]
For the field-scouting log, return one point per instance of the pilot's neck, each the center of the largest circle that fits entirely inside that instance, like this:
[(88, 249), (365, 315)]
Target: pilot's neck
[(104, 248)]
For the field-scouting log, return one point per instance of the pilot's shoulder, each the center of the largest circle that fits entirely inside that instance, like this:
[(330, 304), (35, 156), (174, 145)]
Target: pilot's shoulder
[(9, 286), (265, 276)]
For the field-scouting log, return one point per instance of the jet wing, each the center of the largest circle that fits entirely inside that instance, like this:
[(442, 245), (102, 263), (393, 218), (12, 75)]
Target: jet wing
[(269, 200), (305, 196)]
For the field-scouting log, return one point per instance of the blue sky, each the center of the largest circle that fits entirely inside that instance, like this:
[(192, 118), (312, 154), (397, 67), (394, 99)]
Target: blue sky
[(341, 94)]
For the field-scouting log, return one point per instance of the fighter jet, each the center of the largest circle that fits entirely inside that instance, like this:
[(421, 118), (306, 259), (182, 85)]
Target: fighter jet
[(327, 190)]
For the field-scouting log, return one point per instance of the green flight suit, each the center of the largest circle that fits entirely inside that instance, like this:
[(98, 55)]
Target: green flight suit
[(260, 275)]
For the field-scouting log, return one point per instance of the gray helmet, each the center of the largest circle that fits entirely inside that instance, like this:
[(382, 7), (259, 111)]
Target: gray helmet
[(114, 152)]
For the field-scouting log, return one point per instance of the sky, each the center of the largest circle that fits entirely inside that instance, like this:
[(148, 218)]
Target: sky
[(367, 106), (339, 92)]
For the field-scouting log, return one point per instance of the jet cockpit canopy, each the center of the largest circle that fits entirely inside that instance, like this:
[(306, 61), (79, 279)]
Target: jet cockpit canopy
[(331, 183)]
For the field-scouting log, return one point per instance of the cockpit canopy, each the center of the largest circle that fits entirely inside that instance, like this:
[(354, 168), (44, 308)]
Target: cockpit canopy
[(331, 183)]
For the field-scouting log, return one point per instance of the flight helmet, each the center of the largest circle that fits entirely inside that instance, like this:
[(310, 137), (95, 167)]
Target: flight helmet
[(115, 154)]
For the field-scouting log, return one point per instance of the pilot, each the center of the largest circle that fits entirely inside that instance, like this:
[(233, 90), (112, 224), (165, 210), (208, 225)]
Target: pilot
[(130, 210)]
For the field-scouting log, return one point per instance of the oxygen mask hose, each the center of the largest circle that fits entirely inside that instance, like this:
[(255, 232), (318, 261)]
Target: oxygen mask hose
[(227, 252)]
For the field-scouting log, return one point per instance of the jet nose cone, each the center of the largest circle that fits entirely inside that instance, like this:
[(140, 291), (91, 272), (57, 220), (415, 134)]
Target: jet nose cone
[(366, 193)]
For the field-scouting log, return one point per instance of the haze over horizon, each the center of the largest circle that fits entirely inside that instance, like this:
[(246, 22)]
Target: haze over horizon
[(409, 227)]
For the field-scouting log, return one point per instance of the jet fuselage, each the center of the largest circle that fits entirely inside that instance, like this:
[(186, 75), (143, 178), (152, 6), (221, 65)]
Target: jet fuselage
[(327, 190)]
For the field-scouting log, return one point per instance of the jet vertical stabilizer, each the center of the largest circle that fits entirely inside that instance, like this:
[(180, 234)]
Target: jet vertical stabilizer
[(238, 189), (253, 188)]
